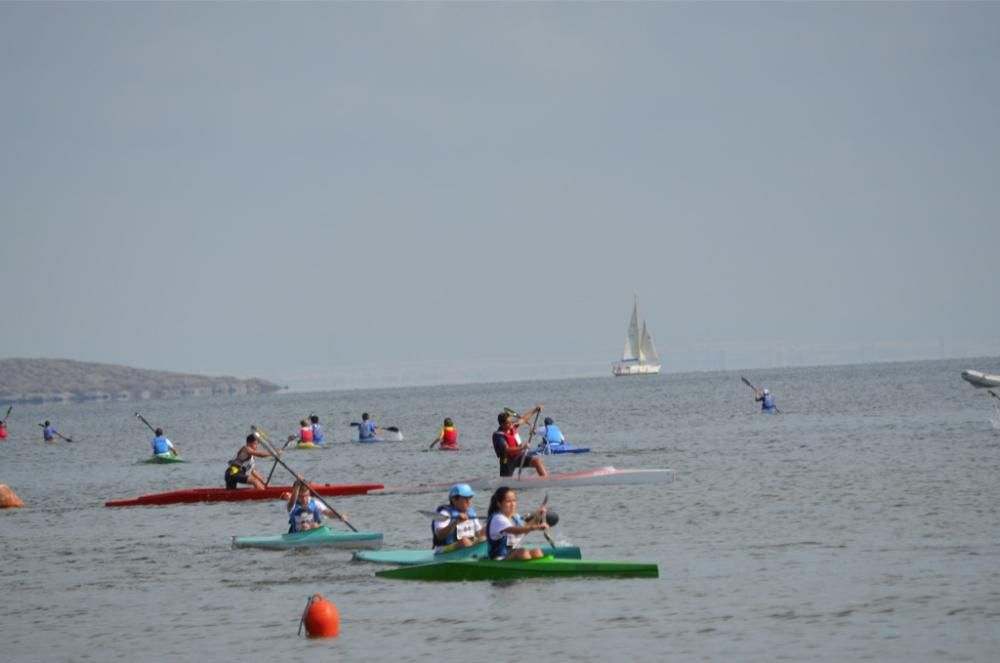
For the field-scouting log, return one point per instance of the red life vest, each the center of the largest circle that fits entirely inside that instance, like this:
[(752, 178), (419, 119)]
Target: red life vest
[(306, 434), (449, 437)]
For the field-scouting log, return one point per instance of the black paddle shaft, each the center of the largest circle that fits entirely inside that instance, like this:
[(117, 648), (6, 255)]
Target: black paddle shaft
[(315, 494)]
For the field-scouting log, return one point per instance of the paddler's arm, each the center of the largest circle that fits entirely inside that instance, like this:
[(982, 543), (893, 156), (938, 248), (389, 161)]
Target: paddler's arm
[(527, 415)]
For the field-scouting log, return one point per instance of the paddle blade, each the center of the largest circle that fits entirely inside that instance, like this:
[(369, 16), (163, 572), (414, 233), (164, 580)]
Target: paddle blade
[(551, 517), (394, 429)]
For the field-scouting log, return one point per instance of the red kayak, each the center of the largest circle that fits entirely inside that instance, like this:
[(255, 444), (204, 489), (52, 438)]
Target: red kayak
[(224, 495)]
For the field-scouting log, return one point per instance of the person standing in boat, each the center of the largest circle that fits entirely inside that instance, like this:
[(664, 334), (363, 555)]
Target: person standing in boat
[(505, 527), (448, 436), (305, 432), (317, 430), (49, 432), (766, 401), (161, 445), (367, 430), (241, 468), (460, 528), (304, 512), (508, 447)]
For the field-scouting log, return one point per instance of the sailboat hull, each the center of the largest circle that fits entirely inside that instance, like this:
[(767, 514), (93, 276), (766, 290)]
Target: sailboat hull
[(635, 369)]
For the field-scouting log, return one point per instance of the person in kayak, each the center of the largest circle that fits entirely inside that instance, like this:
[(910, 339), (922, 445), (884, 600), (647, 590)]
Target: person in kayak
[(448, 436), (766, 401), (241, 468), (508, 447), (551, 435), (505, 527), (304, 512), (305, 432), (460, 528), (3, 429), (367, 429), (49, 432), (317, 430), (161, 445)]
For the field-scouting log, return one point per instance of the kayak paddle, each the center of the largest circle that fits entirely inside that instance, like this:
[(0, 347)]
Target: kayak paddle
[(524, 451), (546, 532), (992, 393), (319, 498), (275, 465), (7, 416), (143, 420)]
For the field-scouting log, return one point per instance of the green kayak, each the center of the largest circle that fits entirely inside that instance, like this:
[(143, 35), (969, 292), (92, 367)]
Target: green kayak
[(320, 536), (164, 458), (545, 567), (478, 551)]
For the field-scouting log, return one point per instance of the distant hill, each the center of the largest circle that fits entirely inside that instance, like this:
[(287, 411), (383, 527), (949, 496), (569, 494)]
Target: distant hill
[(47, 380)]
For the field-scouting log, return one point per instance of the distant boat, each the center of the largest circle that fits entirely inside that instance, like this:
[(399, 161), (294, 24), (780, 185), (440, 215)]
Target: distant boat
[(640, 356), (978, 379)]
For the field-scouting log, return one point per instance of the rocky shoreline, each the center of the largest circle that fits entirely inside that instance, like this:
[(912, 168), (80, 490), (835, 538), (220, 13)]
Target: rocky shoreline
[(64, 380)]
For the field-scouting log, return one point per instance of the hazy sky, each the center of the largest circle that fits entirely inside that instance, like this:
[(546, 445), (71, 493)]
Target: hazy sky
[(341, 194)]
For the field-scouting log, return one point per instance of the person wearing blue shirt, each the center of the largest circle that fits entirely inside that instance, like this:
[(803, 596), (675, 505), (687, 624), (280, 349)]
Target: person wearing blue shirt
[(162, 446), (766, 401), (367, 430), (49, 432), (551, 435), (317, 430)]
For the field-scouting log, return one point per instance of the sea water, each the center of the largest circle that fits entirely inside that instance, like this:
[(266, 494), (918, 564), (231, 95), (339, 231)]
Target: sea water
[(861, 523)]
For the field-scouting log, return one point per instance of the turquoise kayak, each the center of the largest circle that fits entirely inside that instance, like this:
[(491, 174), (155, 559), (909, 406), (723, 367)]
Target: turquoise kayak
[(319, 536), (478, 551), (163, 458), (545, 567)]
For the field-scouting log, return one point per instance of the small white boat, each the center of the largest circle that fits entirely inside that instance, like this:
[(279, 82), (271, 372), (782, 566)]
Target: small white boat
[(978, 379), (639, 357), (596, 477)]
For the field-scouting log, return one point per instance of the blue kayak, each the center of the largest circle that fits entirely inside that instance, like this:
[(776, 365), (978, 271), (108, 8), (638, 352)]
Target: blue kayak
[(564, 448)]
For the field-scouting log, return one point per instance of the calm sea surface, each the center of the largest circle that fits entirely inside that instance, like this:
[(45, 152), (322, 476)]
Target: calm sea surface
[(863, 523)]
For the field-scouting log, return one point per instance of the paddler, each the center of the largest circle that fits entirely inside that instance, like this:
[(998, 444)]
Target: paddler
[(460, 528), (3, 429), (551, 435), (317, 430), (367, 429), (448, 435), (766, 401), (305, 432), (304, 512), (161, 445), (241, 468), (505, 527), (508, 447), (49, 432)]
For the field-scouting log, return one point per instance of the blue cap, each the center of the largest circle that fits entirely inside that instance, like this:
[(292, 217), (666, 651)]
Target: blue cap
[(461, 490)]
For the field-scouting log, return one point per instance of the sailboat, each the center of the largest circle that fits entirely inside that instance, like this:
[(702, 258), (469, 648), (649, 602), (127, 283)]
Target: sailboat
[(640, 356)]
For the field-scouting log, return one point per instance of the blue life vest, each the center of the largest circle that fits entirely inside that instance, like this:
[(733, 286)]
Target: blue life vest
[(553, 435), (498, 548), (366, 430), (451, 512), (160, 445), (767, 403), (49, 433), (313, 508), (317, 434)]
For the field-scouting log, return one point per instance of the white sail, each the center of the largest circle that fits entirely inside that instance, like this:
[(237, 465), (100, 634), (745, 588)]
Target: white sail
[(647, 351), (639, 356), (632, 347)]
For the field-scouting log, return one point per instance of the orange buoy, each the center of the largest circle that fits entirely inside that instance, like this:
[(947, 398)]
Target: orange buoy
[(8, 499), (321, 618)]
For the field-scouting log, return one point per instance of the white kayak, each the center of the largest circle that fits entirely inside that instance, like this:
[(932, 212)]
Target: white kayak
[(596, 477), (978, 379)]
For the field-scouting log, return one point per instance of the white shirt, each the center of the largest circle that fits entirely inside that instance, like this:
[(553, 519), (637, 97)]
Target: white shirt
[(467, 529), (500, 523)]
